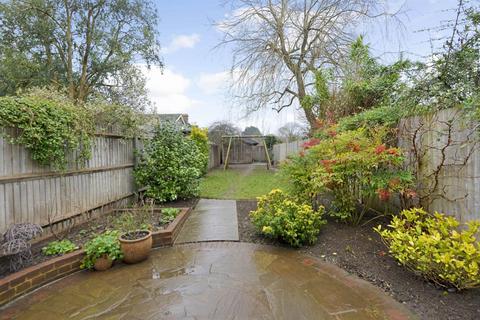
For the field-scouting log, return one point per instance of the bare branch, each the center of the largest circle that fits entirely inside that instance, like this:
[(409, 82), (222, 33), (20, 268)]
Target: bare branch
[(278, 45)]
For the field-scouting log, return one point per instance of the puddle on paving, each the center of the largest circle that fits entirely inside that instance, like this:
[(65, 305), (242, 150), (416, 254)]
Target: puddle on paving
[(210, 281)]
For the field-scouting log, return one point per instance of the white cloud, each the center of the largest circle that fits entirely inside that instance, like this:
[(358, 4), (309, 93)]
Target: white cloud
[(168, 91), (212, 83), (182, 42)]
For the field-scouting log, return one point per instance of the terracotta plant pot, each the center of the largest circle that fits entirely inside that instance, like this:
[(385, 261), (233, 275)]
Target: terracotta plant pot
[(135, 245), (103, 263)]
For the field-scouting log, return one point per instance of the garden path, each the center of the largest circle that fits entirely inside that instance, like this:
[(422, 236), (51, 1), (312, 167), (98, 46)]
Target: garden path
[(211, 220), (212, 280)]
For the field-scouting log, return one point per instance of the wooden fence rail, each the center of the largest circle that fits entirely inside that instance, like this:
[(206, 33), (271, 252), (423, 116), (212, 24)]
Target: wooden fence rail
[(444, 149), (30, 192), (282, 150), (39, 194)]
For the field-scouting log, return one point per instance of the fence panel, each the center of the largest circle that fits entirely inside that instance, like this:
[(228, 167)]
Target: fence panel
[(282, 150), (447, 146), (213, 156), (33, 193)]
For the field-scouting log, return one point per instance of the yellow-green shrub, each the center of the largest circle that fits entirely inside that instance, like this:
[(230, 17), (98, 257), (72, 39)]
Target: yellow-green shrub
[(436, 246), (280, 216), (200, 137)]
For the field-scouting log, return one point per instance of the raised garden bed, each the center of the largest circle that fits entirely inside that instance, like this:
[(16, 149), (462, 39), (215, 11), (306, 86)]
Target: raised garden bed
[(47, 269), (165, 235)]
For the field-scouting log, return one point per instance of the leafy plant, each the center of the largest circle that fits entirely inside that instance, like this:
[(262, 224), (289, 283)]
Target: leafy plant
[(49, 127), (353, 166), (105, 244), (111, 117), (387, 115), (169, 168), (280, 216), (436, 246), (364, 83), (59, 247), (200, 137), (169, 214), (132, 221)]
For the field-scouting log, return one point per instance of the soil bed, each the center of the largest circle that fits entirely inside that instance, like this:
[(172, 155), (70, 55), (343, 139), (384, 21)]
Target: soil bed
[(360, 251), (80, 234), (135, 235)]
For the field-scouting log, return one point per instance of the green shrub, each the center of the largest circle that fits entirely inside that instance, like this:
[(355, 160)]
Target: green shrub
[(200, 137), (170, 165), (105, 244), (379, 116), (435, 247), (50, 129), (352, 166), (280, 216), (59, 247), (169, 214)]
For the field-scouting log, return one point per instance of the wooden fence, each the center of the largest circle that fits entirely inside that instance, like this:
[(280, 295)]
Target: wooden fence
[(443, 150), (38, 194), (244, 153), (282, 150), (214, 156)]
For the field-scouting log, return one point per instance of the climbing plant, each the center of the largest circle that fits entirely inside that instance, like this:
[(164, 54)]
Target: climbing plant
[(117, 118), (49, 128)]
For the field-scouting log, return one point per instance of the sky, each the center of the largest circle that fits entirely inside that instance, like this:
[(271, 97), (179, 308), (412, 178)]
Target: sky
[(195, 76)]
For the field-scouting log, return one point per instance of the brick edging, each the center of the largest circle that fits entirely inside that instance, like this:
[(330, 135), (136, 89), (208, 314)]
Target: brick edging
[(30, 278), (168, 236)]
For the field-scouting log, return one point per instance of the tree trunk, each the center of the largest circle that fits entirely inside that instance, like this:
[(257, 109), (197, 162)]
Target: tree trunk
[(309, 115), (68, 35), (83, 86)]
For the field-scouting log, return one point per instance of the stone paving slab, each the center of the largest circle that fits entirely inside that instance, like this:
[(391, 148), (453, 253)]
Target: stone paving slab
[(212, 280), (211, 220)]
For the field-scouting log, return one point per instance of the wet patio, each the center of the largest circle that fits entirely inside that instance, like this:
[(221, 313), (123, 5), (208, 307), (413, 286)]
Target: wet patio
[(211, 220), (215, 280)]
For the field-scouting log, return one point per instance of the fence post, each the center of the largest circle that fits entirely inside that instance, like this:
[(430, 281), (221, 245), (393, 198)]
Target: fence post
[(135, 152)]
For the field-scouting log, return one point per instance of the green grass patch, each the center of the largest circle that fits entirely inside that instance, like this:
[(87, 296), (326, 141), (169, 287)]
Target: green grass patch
[(239, 183)]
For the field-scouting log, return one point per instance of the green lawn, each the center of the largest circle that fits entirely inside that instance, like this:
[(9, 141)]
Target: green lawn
[(239, 182)]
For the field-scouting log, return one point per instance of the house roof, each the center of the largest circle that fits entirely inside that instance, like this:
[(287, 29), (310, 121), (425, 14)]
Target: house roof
[(179, 119), (173, 117), (250, 141)]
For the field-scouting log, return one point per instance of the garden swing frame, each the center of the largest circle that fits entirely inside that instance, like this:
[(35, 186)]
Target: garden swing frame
[(230, 139)]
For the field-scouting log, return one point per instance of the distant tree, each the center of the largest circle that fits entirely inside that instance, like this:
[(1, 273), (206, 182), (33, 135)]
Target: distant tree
[(270, 140), (292, 131), (251, 131), (86, 46), (278, 46), (219, 129)]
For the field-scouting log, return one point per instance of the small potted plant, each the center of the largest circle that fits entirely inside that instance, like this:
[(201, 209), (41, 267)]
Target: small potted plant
[(135, 245), (101, 251)]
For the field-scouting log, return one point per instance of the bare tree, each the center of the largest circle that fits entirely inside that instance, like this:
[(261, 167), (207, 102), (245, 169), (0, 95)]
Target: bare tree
[(292, 131), (278, 45), (219, 129)]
